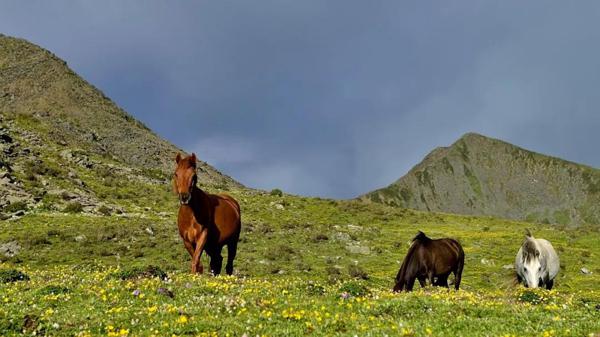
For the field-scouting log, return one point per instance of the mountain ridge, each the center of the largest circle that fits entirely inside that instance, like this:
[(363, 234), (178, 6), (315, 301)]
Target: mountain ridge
[(479, 175)]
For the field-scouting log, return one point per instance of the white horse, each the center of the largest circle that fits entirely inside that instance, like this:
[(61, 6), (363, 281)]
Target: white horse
[(536, 263)]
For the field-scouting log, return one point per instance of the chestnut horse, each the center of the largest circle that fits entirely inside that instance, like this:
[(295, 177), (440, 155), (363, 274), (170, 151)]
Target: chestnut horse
[(433, 260), (206, 222)]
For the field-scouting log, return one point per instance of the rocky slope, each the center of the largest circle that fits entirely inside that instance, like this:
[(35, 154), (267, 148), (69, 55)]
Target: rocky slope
[(483, 176), (59, 134)]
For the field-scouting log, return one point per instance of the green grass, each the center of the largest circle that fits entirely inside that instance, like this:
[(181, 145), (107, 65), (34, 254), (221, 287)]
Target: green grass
[(293, 271), (91, 302)]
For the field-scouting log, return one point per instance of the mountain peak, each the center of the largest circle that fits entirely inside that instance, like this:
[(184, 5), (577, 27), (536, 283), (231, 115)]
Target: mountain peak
[(477, 138), (473, 135), (480, 175), (37, 84)]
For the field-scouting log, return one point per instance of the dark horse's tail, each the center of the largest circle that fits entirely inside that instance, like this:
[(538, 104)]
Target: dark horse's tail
[(460, 265)]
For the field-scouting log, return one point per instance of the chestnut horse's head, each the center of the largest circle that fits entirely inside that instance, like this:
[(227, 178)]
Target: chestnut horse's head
[(185, 177)]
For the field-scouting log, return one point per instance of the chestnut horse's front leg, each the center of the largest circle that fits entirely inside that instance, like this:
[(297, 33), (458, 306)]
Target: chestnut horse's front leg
[(196, 263)]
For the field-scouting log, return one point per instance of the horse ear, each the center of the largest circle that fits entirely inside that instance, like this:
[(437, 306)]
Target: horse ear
[(528, 233), (178, 158), (193, 159)]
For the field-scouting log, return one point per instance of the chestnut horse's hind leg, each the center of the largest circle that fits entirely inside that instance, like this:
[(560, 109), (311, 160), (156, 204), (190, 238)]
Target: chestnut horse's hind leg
[(422, 281), (216, 262), (231, 251)]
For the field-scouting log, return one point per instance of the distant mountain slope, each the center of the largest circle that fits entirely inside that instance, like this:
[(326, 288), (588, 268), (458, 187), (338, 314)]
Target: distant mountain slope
[(484, 176), (48, 112)]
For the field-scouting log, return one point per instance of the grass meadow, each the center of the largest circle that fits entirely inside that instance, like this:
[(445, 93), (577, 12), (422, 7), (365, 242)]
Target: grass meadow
[(305, 266)]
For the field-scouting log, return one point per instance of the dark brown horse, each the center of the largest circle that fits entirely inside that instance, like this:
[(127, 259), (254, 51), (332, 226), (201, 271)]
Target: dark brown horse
[(206, 222), (431, 260)]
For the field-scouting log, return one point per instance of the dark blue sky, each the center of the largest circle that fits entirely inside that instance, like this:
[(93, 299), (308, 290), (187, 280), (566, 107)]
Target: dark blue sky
[(334, 98)]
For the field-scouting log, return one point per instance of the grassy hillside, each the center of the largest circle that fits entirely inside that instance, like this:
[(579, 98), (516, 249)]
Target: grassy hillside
[(62, 141), (294, 268), (484, 176)]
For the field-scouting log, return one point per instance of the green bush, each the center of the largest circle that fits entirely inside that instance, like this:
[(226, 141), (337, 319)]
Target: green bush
[(49, 202), (529, 296), (276, 192), (12, 275), (73, 207), (280, 252), (355, 289), (15, 207), (315, 289), (357, 272), (104, 210), (33, 168), (320, 237)]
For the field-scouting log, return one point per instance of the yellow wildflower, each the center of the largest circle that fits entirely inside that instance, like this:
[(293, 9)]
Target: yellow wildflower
[(182, 319)]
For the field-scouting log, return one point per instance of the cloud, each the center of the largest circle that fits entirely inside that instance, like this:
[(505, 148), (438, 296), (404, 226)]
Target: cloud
[(340, 97), (222, 151)]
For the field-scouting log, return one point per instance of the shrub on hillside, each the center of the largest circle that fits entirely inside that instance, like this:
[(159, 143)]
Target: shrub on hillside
[(357, 272), (15, 207), (334, 275), (12, 275), (73, 207), (104, 210), (355, 289), (530, 297), (49, 202), (38, 167), (276, 192), (315, 289), (320, 237), (280, 252)]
